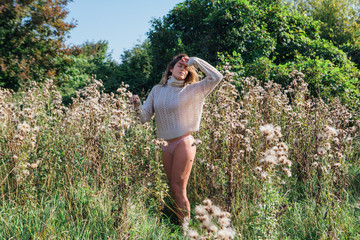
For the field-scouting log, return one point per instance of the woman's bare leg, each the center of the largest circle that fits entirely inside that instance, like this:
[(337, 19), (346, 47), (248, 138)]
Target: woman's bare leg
[(167, 161), (180, 172)]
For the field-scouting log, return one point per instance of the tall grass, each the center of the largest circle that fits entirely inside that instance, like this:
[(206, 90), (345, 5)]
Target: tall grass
[(283, 164)]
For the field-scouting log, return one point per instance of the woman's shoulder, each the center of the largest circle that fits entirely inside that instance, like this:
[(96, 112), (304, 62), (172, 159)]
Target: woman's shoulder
[(155, 88)]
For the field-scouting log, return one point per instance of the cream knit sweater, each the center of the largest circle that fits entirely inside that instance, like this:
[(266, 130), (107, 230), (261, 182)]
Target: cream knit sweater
[(178, 108)]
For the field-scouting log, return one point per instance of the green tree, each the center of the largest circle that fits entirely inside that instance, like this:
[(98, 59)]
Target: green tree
[(339, 18), (32, 34), (136, 68), (84, 61), (254, 29), (353, 52)]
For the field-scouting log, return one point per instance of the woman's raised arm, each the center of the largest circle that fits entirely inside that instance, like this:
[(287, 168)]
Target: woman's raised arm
[(213, 76)]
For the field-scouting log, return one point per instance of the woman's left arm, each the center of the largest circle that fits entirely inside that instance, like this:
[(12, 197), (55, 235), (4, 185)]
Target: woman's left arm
[(213, 76)]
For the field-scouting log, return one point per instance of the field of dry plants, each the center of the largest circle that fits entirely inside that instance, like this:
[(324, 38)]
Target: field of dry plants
[(272, 163)]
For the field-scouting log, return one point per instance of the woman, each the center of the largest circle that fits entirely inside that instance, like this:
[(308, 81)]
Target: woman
[(177, 102)]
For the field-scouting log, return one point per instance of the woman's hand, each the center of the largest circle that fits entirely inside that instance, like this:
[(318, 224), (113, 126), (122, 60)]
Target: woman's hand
[(135, 100), (185, 60)]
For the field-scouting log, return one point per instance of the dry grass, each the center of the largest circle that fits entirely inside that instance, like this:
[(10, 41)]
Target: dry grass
[(268, 156)]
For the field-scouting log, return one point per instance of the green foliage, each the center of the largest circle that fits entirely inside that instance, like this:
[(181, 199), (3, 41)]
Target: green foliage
[(101, 65), (353, 52), (31, 37), (324, 78), (339, 18), (135, 69), (254, 29), (90, 59), (73, 74)]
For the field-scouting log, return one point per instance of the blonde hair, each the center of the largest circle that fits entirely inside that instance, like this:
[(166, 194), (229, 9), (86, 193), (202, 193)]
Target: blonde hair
[(192, 76)]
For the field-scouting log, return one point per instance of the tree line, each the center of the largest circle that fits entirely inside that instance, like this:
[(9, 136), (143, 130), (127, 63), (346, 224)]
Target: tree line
[(266, 39)]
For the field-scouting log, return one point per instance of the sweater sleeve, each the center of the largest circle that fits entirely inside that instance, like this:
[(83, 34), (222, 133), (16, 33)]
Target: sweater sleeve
[(213, 76), (146, 111)]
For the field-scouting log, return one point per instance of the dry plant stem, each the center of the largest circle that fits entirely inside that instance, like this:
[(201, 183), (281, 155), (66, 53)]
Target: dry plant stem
[(230, 173)]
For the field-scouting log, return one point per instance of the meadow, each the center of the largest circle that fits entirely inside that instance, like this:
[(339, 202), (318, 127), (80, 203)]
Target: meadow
[(271, 163)]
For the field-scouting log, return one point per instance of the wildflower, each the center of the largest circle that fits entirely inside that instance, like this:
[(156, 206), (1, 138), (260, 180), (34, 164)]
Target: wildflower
[(210, 166), (314, 164), (26, 173), (278, 131), (288, 108), (244, 121), (160, 142), (320, 136), (263, 175), (288, 163), (227, 233), (267, 129), (209, 209), (339, 155), (249, 149), (224, 222), (200, 210), (330, 131), (217, 211), (185, 224), (283, 146), (287, 172), (225, 106), (222, 214), (321, 151), (283, 160), (18, 179), (212, 228), (327, 146), (35, 165), (197, 142), (25, 165), (202, 218), (24, 127), (192, 234), (207, 202), (324, 170), (202, 161), (18, 137), (275, 149), (206, 224), (248, 132), (258, 170), (269, 159)]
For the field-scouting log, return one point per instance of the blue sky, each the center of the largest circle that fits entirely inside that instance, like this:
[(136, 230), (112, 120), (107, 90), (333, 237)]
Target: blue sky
[(122, 23)]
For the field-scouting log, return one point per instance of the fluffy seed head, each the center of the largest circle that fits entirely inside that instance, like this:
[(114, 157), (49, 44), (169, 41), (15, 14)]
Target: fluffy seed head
[(314, 164)]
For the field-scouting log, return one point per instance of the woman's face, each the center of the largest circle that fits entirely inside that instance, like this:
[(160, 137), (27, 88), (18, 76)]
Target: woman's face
[(179, 71)]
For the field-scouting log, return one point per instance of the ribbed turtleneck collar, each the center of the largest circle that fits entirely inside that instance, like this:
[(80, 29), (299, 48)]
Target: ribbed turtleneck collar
[(176, 83)]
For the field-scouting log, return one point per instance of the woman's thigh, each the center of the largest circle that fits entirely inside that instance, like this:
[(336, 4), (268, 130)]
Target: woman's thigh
[(183, 160), (167, 161)]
